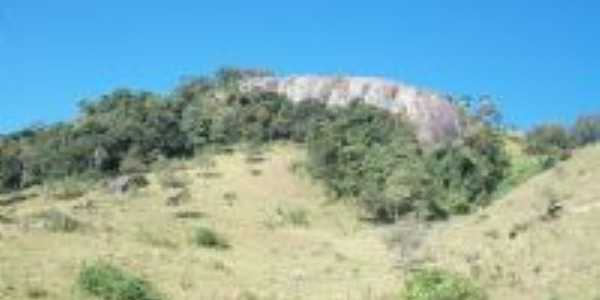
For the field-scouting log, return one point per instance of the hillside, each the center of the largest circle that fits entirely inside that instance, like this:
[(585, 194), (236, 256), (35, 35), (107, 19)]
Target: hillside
[(288, 241), (327, 254), (519, 251)]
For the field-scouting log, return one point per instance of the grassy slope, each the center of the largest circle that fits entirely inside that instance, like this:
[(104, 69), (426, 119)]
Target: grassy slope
[(556, 259), (335, 257)]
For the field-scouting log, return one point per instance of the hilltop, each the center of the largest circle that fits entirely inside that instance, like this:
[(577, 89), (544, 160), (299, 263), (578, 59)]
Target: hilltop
[(432, 113)]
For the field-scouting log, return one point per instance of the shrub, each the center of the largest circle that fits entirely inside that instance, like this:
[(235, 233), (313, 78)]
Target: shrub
[(468, 173), (189, 215), (293, 216), (550, 139), (587, 129), (208, 238), (441, 285), (108, 282)]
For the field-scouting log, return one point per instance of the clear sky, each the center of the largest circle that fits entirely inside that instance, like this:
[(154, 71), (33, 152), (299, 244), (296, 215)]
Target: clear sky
[(540, 58)]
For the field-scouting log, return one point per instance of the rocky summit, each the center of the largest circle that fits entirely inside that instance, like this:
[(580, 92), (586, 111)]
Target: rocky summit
[(434, 117)]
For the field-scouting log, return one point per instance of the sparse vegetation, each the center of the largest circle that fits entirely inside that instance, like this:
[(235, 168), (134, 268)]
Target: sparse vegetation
[(108, 282)]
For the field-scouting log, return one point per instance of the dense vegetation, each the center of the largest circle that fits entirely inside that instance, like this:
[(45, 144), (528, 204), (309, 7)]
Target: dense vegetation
[(375, 157), (557, 139), (359, 151)]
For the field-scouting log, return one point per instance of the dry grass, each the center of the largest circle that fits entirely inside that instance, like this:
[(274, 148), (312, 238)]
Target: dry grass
[(517, 252), (142, 234)]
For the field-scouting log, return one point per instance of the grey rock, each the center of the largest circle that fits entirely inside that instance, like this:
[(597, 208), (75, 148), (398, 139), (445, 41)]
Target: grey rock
[(125, 183)]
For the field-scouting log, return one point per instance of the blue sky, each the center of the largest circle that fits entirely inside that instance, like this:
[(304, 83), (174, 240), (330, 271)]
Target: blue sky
[(541, 59)]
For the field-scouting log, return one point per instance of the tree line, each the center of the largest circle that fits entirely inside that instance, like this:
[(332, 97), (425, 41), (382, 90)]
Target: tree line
[(360, 152)]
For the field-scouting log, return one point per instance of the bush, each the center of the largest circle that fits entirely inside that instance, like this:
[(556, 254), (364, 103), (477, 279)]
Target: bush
[(587, 129), (111, 283), (549, 139), (208, 238), (467, 174), (441, 285)]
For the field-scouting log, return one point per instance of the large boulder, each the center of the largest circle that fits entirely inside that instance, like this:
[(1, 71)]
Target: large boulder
[(434, 117)]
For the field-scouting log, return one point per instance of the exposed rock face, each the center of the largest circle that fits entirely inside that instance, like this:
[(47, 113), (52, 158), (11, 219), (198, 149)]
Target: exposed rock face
[(433, 116)]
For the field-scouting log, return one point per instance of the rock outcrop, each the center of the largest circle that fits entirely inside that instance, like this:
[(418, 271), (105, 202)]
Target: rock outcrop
[(434, 117)]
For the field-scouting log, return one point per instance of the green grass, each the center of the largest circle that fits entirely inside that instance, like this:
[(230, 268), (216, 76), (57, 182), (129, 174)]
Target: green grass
[(108, 282), (208, 238), (433, 284)]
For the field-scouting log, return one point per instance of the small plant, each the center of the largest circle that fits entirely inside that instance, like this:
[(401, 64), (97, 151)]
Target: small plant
[(517, 229), (441, 285), (189, 215), (230, 197), (256, 172), (35, 292), (178, 197), (220, 266), (296, 216), (208, 238), (108, 282)]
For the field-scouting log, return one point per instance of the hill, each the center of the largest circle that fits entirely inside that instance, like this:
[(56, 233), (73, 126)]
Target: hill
[(287, 241), (246, 186), (518, 249)]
